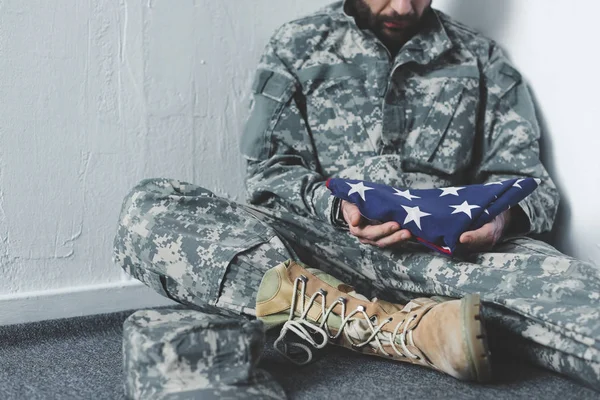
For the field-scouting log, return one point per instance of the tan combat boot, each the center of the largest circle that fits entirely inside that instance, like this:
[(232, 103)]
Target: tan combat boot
[(447, 336)]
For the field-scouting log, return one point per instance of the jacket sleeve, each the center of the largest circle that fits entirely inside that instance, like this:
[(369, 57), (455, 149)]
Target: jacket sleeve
[(510, 142), (282, 168)]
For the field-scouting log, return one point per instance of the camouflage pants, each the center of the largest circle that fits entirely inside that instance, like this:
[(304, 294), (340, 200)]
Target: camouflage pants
[(211, 253)]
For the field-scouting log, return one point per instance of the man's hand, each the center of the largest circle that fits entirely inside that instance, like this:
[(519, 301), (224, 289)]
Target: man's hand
[(383, 235), (488, 235)]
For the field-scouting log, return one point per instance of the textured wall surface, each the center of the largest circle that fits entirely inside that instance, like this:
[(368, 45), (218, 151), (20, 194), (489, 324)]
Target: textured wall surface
[(97, 95)]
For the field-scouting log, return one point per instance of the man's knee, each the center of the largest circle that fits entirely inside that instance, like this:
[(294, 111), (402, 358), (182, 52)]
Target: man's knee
[(149, 201), (148, 190), (153, 192), (136, 217)]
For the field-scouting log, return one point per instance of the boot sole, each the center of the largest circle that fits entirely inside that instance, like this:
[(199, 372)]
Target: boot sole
[(475, 337)]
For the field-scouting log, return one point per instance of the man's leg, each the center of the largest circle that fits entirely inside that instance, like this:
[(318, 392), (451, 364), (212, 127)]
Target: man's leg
[(547, 303), (212, 254), (538, 302), (199, 249)]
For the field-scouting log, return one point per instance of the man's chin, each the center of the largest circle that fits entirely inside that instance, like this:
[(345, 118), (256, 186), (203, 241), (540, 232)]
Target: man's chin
[(393, 35)]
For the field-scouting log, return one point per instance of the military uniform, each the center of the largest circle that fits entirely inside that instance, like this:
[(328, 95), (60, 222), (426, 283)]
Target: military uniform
[(186, 354), (329, 100)]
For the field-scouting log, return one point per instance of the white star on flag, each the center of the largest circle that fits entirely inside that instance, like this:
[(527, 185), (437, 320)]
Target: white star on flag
[(517, 183), (450, 190), (537, 180), (406, 194), (464, 208), (414, 214), (359, 188), (493, 183)]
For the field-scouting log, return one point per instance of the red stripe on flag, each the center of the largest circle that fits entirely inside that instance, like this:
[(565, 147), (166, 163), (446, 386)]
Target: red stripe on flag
[(445, 251)]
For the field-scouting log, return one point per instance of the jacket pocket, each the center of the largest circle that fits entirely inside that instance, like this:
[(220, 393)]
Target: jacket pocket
[(443, 142), (337, 104)]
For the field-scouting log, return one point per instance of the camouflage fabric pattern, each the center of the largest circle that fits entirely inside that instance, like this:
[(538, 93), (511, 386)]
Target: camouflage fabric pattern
[(167, 242), (187, 354), (330, 100), (543, 300)]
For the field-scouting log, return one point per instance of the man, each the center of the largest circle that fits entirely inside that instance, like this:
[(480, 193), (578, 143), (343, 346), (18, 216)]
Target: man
[(394, 92)]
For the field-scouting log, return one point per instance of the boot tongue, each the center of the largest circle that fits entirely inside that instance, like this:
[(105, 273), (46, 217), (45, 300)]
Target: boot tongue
[(359, 330)]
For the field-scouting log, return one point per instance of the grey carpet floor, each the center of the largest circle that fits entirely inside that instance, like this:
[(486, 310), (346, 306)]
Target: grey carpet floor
[(80, 358)]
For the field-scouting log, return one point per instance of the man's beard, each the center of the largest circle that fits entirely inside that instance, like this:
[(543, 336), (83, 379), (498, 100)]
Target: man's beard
[(394, 38)]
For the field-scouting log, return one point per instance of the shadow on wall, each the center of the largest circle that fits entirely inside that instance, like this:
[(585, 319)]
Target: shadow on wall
[(562, 223), (492, 18)]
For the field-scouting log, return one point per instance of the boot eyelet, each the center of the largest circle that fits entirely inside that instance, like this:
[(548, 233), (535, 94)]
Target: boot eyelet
[(323, 292), (303, 278), (342, 300), (361, 308)]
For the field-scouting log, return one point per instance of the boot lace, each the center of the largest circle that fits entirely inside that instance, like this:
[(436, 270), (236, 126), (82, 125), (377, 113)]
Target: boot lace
[(317, 335)]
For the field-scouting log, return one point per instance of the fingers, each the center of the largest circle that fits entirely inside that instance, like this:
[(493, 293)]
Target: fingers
[(351, 214), (374, 232), (394, 238), (390, 233), (390, 240), (383, 235), (480, 239)]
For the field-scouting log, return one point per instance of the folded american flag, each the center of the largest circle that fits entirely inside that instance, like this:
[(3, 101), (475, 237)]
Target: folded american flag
[(435, 217)]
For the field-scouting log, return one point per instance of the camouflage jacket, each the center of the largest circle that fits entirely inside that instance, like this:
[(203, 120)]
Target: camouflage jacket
[(329, 100)]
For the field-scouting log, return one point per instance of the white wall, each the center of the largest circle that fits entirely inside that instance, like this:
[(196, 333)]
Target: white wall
[(95, 96)]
